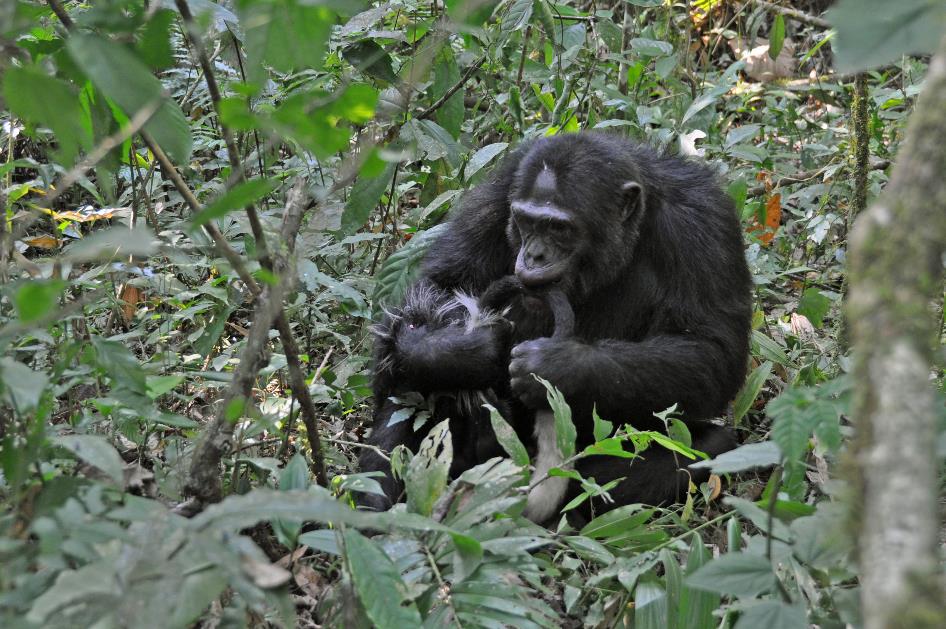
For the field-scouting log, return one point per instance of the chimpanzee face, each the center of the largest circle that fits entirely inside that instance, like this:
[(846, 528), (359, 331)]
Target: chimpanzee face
[(558, 240)]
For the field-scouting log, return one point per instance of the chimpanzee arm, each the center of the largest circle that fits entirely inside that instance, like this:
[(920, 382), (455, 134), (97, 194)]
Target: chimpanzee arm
[(631, 380)]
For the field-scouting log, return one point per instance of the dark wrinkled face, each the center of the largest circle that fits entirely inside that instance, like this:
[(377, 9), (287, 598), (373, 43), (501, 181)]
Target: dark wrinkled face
[(548, 238), (547, 235), (575, 212)]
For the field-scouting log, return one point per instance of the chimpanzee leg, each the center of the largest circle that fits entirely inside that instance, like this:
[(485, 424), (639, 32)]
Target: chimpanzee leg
[(385, 438), (659, 476)]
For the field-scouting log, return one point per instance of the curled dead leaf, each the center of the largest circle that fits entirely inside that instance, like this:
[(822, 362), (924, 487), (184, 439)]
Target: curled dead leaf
[(716, 486), (801, 326), (265, 575)]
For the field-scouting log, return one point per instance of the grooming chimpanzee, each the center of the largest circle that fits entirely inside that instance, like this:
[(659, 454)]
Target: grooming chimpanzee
[(647, 251)]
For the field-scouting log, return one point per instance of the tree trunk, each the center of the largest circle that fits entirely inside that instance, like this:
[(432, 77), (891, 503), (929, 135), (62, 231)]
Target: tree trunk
[(896, 272)]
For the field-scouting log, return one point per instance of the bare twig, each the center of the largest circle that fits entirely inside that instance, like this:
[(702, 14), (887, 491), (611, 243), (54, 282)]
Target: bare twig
[(794, 14), (61, 14), (805, 175), (453, 89)]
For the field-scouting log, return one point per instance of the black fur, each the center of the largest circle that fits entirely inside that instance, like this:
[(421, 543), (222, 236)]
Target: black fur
[(662, 305)]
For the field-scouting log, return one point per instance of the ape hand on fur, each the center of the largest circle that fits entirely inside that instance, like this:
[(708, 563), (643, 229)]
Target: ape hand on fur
[(551, 359)]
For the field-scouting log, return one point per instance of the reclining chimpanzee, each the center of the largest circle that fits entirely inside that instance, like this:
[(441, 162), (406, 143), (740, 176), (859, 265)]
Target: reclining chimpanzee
[(647, 251)]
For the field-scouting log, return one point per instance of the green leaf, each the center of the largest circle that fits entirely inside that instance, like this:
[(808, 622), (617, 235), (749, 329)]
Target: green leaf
[(238, 197), (746, 457), (517, 16), (155, 43), (371, 59), (96, 451), (427, 473), (772, 615), (565, 433), (679, 432), (601, 427), (22, 387), (703, 102), (696, 607), (482, 157), (289, 35), (365, 195), (764, 347), (651, 47), (120, 364), (112, 243), (676, 446), (93, 582), (619, 521), (650, 605), (750, 391), (446, 75), (241, 511), (294, 476), (46, 101), (872, 33), (776, 36), (735, 574), (814, 305), (401, 267), (36, 299), (378, 584), (507, 437), (159, 385), (125, 79)]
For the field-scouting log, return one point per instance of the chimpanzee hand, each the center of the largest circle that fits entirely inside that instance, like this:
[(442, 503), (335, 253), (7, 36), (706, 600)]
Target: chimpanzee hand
[(551, 359)]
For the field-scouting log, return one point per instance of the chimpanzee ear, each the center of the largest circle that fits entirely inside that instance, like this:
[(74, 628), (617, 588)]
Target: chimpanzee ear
[(633, 198)]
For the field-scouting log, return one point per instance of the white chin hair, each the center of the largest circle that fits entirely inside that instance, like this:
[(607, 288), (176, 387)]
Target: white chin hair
[(546, 498)]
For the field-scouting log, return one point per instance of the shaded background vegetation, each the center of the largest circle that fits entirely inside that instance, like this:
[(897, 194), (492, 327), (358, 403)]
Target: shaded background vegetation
[(207, 204)]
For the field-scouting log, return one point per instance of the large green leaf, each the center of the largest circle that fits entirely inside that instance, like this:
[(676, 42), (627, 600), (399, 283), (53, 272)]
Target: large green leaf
[(22, 387), (876, 32), (814, 305), (746, 457), (94, 450), (446, 74), (401, 267), (507, 437), (239, 196), (772, 615), (428, 471), (735, 574), (696, 607), (286, 34), (565, 433), (365, 195), (37, 298), (777, 36), (379, 584), (46, 101), (750, 390), (126, 80)]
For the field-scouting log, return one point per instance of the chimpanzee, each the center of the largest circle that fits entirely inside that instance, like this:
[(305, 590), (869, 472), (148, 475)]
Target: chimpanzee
[(643, 253)]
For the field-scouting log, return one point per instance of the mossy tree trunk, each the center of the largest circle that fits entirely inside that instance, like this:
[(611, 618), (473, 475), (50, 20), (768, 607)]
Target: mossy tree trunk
[(897, 248)]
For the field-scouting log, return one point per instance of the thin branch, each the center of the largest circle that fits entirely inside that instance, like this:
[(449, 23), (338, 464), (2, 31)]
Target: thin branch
[(232, 154), (61, 14), (794, 14), (453, 89)]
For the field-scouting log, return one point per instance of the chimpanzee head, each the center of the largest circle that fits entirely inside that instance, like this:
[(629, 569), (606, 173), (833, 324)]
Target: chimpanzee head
[(575, 213)]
